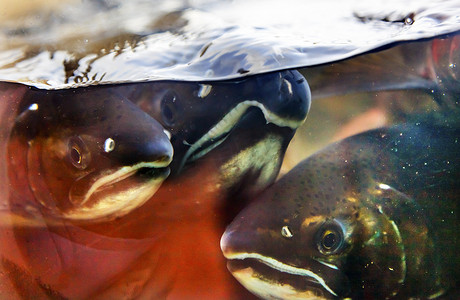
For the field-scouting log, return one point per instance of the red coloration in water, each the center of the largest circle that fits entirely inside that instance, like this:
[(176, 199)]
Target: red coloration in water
[(373, 118), (185, 215), (167, 248)]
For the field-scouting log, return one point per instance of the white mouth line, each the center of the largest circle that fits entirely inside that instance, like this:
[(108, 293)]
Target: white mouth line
[(231, 118), (275, 264), (207, 150), (121, 174)]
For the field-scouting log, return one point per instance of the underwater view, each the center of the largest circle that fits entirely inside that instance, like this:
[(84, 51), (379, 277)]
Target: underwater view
[(217, 149)]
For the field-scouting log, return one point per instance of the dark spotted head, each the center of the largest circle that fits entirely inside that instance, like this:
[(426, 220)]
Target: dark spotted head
[(85, 154), (327, 229)]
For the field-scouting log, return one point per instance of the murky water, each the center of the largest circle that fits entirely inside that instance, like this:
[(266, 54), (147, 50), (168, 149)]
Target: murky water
[(133, 134)]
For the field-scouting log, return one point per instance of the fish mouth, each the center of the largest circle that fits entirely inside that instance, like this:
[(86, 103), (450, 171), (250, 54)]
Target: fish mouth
[(219, 132), (270, 278), (116, 192)]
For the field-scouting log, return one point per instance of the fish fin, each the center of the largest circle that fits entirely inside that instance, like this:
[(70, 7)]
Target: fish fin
[(397, 68), (26, 285), (416, 234)]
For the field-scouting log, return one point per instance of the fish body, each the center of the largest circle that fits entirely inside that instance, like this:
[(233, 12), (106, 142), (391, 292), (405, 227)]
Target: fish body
[(372, 216), (430, 65)]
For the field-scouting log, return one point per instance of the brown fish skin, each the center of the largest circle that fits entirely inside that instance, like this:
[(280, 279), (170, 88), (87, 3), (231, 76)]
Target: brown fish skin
[(66, 146), (39, 231), (375, 215)]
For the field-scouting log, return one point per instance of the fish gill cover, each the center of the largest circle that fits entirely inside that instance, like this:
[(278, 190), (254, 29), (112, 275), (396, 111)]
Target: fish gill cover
[(112, 41)]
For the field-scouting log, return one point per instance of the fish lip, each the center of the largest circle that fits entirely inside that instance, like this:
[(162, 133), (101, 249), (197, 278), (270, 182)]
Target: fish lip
[(109, 186), (255, 261), (250, 274), (120, 174), (223, 128)]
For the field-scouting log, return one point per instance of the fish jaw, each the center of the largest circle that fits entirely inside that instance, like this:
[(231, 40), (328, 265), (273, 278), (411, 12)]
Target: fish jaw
[(267, 290), (248, 145), (285, 105), (227, 123), (270, 278), (115, 193)]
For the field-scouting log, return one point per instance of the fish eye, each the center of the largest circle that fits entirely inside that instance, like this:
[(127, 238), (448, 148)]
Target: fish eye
[(169, 108), (78, 153), (330, 238), (75, 155)]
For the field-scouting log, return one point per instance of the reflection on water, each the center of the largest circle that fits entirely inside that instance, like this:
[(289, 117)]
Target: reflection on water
[(141, 40)]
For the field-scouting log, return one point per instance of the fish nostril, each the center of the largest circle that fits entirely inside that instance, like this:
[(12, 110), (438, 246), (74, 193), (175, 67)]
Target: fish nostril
[(286, 87)]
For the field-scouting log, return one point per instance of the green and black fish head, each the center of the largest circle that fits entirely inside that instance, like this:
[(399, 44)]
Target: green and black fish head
[(329, 229), (86, 154)]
